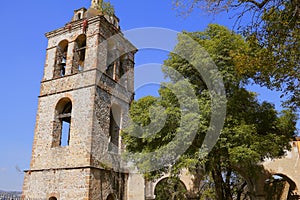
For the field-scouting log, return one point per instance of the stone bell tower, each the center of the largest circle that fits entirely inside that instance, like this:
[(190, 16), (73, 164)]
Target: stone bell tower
[(85, 94)]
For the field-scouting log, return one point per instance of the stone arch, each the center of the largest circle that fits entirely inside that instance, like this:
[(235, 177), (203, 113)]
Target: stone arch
[(60, 59), (287, 166), (115, 127), (52, 198), (254, 184), (289, 180), (170, 189), (63, 105), (282, 185), (62, 123), (111, 197), (185, 178), (116, 62), (79, 54)]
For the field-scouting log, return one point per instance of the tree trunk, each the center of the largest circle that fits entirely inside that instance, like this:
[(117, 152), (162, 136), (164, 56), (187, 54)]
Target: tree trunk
[(218, 180), (240, 190)]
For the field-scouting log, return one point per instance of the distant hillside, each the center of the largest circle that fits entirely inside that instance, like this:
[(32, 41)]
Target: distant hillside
[(8, 195)]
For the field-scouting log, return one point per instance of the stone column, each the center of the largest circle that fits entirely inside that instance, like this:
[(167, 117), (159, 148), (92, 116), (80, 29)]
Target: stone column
[(70, 54)]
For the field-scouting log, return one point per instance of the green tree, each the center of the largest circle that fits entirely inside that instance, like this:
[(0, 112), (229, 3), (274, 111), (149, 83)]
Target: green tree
[(106, 7), (252, 131), (275, 29)]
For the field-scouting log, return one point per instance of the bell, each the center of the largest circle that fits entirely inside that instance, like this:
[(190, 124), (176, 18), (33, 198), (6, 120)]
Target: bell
[(63, 62)]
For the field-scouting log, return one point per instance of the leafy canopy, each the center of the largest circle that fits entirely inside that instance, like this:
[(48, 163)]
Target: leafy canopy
[(274, 28), (252, 131), (106, 7)]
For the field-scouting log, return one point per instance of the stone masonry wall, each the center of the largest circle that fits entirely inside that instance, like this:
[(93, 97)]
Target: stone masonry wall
[(106, 182), (83, 169), (289, 165), (77, 153), (62, 184)]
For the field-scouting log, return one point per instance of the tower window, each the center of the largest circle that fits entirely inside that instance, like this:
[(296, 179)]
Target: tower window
[(121, 70), (65, 133), (79, 54), (113, 61), (52, 198), (61, 59), (79, 16), (117, 68), (114, 128), (113, 70), (110, 70), (62, 123)]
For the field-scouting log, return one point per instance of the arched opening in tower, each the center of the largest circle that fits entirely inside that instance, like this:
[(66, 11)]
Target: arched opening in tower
[(61, 59), (79, 54), (62, 123)]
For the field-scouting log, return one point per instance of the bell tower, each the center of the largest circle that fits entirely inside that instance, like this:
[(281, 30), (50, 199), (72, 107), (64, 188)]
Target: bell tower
[(85, 94)]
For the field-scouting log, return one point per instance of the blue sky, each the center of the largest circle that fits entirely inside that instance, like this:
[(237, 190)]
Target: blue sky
[(22, 54)]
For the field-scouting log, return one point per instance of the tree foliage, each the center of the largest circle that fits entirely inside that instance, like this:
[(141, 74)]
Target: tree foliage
[(106, 7), (252, 131), (275, 29)]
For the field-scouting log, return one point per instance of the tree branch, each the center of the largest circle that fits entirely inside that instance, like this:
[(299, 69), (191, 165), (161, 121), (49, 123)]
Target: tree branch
[(257, 4)]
